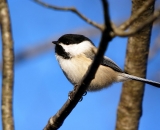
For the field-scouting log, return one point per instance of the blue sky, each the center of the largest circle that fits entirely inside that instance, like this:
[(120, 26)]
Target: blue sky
[(40, 88)]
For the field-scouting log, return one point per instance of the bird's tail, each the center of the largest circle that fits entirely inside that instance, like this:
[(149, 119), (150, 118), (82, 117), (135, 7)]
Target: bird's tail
[(151, 82)]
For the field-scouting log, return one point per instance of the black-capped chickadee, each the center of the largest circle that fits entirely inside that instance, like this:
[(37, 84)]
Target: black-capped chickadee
[(75, 54)]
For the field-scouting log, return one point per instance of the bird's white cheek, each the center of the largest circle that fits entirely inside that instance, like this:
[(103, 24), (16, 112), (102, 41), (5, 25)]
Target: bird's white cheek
[(76, 49), (71, 49)]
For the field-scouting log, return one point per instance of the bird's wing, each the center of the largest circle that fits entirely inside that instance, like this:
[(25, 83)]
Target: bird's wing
[(108, 62), (105, 61)]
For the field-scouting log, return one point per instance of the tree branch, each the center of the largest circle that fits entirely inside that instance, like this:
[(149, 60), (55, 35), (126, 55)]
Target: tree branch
[(119, 32), (8, 57), (74, 10), (56, 121), (135, 16)]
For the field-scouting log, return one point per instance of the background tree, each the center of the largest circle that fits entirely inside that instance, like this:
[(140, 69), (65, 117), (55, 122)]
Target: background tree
[(7, 67)]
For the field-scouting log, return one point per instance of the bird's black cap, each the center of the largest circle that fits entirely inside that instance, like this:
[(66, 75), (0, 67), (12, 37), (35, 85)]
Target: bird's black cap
[(72, 39)]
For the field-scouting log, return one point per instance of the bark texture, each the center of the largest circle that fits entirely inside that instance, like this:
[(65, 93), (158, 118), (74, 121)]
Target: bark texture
[(7, 69), (130, 106)]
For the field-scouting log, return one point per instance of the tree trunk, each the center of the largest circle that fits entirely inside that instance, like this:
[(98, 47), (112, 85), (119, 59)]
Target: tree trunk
[(130, 106), (7, 69)]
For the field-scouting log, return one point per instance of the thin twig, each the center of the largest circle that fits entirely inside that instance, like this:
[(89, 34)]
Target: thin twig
[(149, 21), (8, 57), (72, 9), (56, 121), (120, 31), (135, 16)]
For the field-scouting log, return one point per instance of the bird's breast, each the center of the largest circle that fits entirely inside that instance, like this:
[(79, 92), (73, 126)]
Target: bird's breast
[(76, 67)]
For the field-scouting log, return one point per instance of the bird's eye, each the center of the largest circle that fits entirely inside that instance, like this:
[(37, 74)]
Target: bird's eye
[(67, 43)]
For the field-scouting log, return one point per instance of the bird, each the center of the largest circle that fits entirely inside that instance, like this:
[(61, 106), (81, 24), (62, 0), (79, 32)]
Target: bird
[(75, 53)]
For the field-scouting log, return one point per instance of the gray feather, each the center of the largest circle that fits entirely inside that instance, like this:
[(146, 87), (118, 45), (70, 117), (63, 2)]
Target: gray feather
[(105, 61), (108, 62)]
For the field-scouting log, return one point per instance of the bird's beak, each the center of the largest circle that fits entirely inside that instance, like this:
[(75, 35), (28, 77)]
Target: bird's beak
[(55, 42)]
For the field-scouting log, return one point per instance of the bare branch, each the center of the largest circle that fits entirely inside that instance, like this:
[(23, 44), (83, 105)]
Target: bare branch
[(120, 31), (74, 10), (135, 16), (132, 31), (8, 58), (56, 121)]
